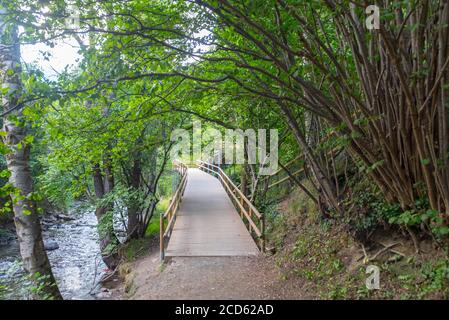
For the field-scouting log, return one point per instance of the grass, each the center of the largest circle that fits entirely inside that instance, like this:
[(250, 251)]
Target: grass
[(154, 225), (135, 249)]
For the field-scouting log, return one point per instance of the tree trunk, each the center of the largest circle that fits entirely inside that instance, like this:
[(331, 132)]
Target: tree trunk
[(109, 243), (26, 219), (323, 180), (134, 206), (152, 182), (244, 180)]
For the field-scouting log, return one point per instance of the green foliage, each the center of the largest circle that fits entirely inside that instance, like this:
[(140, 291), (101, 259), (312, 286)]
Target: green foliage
[(105, 224), (136, 248), (274, 221), (319, 259), (26, 286), (436, 275), (422, 214), (39, 286), (56, 186), (380, 211), (369, 210), (153, 227)]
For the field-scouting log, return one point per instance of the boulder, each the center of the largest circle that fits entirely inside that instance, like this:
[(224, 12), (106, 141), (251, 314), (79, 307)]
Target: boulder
[(51, 245)]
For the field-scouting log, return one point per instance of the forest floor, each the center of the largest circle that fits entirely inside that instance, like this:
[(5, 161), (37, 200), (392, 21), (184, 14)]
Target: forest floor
[(204, 278), (334, 263)]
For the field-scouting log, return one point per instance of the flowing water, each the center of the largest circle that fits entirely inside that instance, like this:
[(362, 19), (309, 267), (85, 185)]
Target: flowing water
[(76, 264)]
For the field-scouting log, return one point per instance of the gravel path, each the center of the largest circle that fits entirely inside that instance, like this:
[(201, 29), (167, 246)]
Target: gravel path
[(210, 278)]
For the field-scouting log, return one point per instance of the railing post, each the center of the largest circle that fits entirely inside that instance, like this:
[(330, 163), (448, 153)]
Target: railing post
[(250, 218), (161, 238), (170, 214), (262, 231)]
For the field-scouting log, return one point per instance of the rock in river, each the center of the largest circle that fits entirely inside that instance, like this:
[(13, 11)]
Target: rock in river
[(51, 245)]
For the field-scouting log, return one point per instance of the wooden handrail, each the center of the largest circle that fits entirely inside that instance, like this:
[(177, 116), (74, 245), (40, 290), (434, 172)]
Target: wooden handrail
[(285, 178), (329, 153), (246, 209), (165, 229), (282, 169)]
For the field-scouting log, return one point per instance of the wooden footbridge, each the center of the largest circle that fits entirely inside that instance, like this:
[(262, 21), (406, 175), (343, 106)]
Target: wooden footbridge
[(209, 216)]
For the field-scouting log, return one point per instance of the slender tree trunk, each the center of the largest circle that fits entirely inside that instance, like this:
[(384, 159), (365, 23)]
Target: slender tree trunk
[(327, 186), (103, 184), (244, 180), (26, 219), (134, 206), (152, 182)]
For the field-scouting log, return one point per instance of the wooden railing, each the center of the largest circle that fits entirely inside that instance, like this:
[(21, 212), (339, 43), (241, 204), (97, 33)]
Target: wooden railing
[(289, 165), (287, 177), (254, 219), (168, 219)]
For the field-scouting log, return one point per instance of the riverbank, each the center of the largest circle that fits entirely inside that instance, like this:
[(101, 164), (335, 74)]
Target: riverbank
[(71, 242)]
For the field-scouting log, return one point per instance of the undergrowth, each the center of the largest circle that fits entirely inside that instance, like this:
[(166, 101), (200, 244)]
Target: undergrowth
[(326, 254)]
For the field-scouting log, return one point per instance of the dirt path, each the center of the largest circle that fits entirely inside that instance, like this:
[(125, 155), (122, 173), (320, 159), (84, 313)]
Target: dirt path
[(209, 278)]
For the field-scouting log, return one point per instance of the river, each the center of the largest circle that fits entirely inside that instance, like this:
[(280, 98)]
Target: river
[(76, 264)]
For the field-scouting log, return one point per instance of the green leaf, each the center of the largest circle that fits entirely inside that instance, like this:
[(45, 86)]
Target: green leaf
[(28, 139), (5, 173)]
